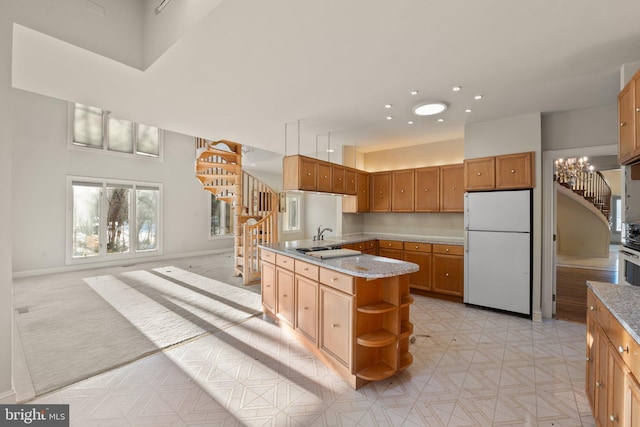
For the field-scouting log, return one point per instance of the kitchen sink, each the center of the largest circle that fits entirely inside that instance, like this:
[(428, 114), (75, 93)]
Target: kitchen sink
[(318, 248)]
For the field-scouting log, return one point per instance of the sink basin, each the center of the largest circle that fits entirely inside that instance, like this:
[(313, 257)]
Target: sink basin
[(317, 248)]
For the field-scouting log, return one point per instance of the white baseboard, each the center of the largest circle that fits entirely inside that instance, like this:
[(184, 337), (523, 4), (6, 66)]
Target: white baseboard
[(8, 397)]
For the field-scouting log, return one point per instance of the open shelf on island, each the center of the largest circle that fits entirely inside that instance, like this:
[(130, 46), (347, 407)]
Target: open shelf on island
[(406, 300), (378, 338), (405, 361), (376, 372), (377, 308), (406, 329)]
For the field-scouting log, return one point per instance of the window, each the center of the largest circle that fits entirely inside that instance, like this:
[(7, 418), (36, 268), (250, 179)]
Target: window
[(96, 128), (101, 215), (291, 216), (221, 218)]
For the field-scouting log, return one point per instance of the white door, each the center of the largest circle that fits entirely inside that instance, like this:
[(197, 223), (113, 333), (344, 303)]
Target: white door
[(499, 271)]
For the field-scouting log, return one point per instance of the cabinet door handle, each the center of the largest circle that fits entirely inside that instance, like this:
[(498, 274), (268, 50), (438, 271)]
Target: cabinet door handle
[(308, 173), (306, 308), (335, 325), (285, 295), (417, 247), (453, 188), (613, 418), (479, 173), (268, 286), (588, 359), (637, 109), (598, 384), (623, 124), (306, 269), (592, 308), (513, 171), (446, 250), (446, 274), (402, 191), (334, 279), (426, 189), (622, 349)]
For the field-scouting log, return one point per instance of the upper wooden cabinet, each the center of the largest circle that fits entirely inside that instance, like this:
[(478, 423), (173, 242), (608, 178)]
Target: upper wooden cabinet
[(338, 176), (324, 182), (351, 181), (380, 192), (506, 172), (627, 129), (452, 188), (480, 174), (402, 190), (299, 173), (427, 189), (514, 171)]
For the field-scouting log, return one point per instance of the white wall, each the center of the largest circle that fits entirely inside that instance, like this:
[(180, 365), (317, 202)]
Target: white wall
[(432, 154), (39, 186), (514, 135), (7, 394), (580, 128)]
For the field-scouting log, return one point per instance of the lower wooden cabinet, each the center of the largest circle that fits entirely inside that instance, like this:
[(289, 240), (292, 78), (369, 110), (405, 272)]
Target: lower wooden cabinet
[(268, 271), (448, 270), (419, 253), (612, 366), (306, 306), (285, 296), (336, 324)]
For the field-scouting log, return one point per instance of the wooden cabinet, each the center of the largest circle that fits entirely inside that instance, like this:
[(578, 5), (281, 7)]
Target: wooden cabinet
[(369, 247), (390, 249), (452, 188), (402, 190), (299, 173), (506, 172), (338, 179), (514, 171), (627, 128), (448, 269), (613, 364), (324, 181), (419, 253), (268, 273), (480, 174), (285, 295), (336, 314), (351, 181), (306, 306), (427, 189), (380, 192), (363, 192)]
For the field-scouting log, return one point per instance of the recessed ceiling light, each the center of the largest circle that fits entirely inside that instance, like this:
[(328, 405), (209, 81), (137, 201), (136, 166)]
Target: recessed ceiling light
[(410, 122), (441, 120), (468, 110), (389, 117), (387, 105), (414, 92), (429, 108), (477, 97), (456, 88), (330, 150)]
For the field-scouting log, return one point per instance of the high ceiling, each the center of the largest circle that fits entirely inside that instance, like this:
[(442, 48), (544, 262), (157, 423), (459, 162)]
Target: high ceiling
[(247, 68)]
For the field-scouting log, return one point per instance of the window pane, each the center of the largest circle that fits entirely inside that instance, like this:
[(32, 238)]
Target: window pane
[(291, 217), (118, 220), (87, 125), (86, 221), (147, 219), (221, 219), (148, 140), (120, 135)]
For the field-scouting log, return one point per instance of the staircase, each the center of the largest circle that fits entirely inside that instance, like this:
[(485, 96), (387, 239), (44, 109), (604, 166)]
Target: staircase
[(593, 187), (254, 205)]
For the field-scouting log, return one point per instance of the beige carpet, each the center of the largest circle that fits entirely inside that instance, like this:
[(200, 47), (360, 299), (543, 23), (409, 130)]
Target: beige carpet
[(73, 326)]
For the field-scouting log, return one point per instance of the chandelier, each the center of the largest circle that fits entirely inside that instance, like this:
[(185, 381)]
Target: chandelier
[(570, 171)]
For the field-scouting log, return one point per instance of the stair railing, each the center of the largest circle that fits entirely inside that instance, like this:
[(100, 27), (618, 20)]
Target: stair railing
[(593, 187), (260, 223)]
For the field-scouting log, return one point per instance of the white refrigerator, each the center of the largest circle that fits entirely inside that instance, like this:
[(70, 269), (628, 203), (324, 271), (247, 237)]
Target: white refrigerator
[(498, 247)]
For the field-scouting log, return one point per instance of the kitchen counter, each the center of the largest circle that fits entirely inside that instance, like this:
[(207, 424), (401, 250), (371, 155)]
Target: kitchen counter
[(363, 237), (623, 302), (363, 265)]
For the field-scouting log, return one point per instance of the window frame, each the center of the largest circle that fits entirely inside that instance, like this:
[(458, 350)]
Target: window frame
[(284, 215), (72, 145), (103, 255)]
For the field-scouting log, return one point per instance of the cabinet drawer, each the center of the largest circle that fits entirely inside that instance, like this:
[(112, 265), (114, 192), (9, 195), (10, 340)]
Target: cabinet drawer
[(284, 262), (340, 281), (448, 249), (268, 256), (625, 345), (365, 246), (307, 270), (417, 247), (390, 244)]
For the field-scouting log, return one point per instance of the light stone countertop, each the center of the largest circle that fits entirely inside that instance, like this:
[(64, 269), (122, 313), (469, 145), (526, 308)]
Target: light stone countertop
[(363, 265), (363, 237), (623, 301)]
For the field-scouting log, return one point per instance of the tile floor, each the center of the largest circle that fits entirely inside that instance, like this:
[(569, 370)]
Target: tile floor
[(471, 367)]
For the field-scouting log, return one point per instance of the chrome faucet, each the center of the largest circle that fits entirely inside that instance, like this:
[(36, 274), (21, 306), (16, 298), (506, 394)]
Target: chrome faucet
[(321, 232)]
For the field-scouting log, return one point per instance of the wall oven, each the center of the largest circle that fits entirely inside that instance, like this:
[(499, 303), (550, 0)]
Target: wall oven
[(629, 256)]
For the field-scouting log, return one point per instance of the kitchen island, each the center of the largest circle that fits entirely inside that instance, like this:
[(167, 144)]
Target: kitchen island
[(613, 353), (352, 312)]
